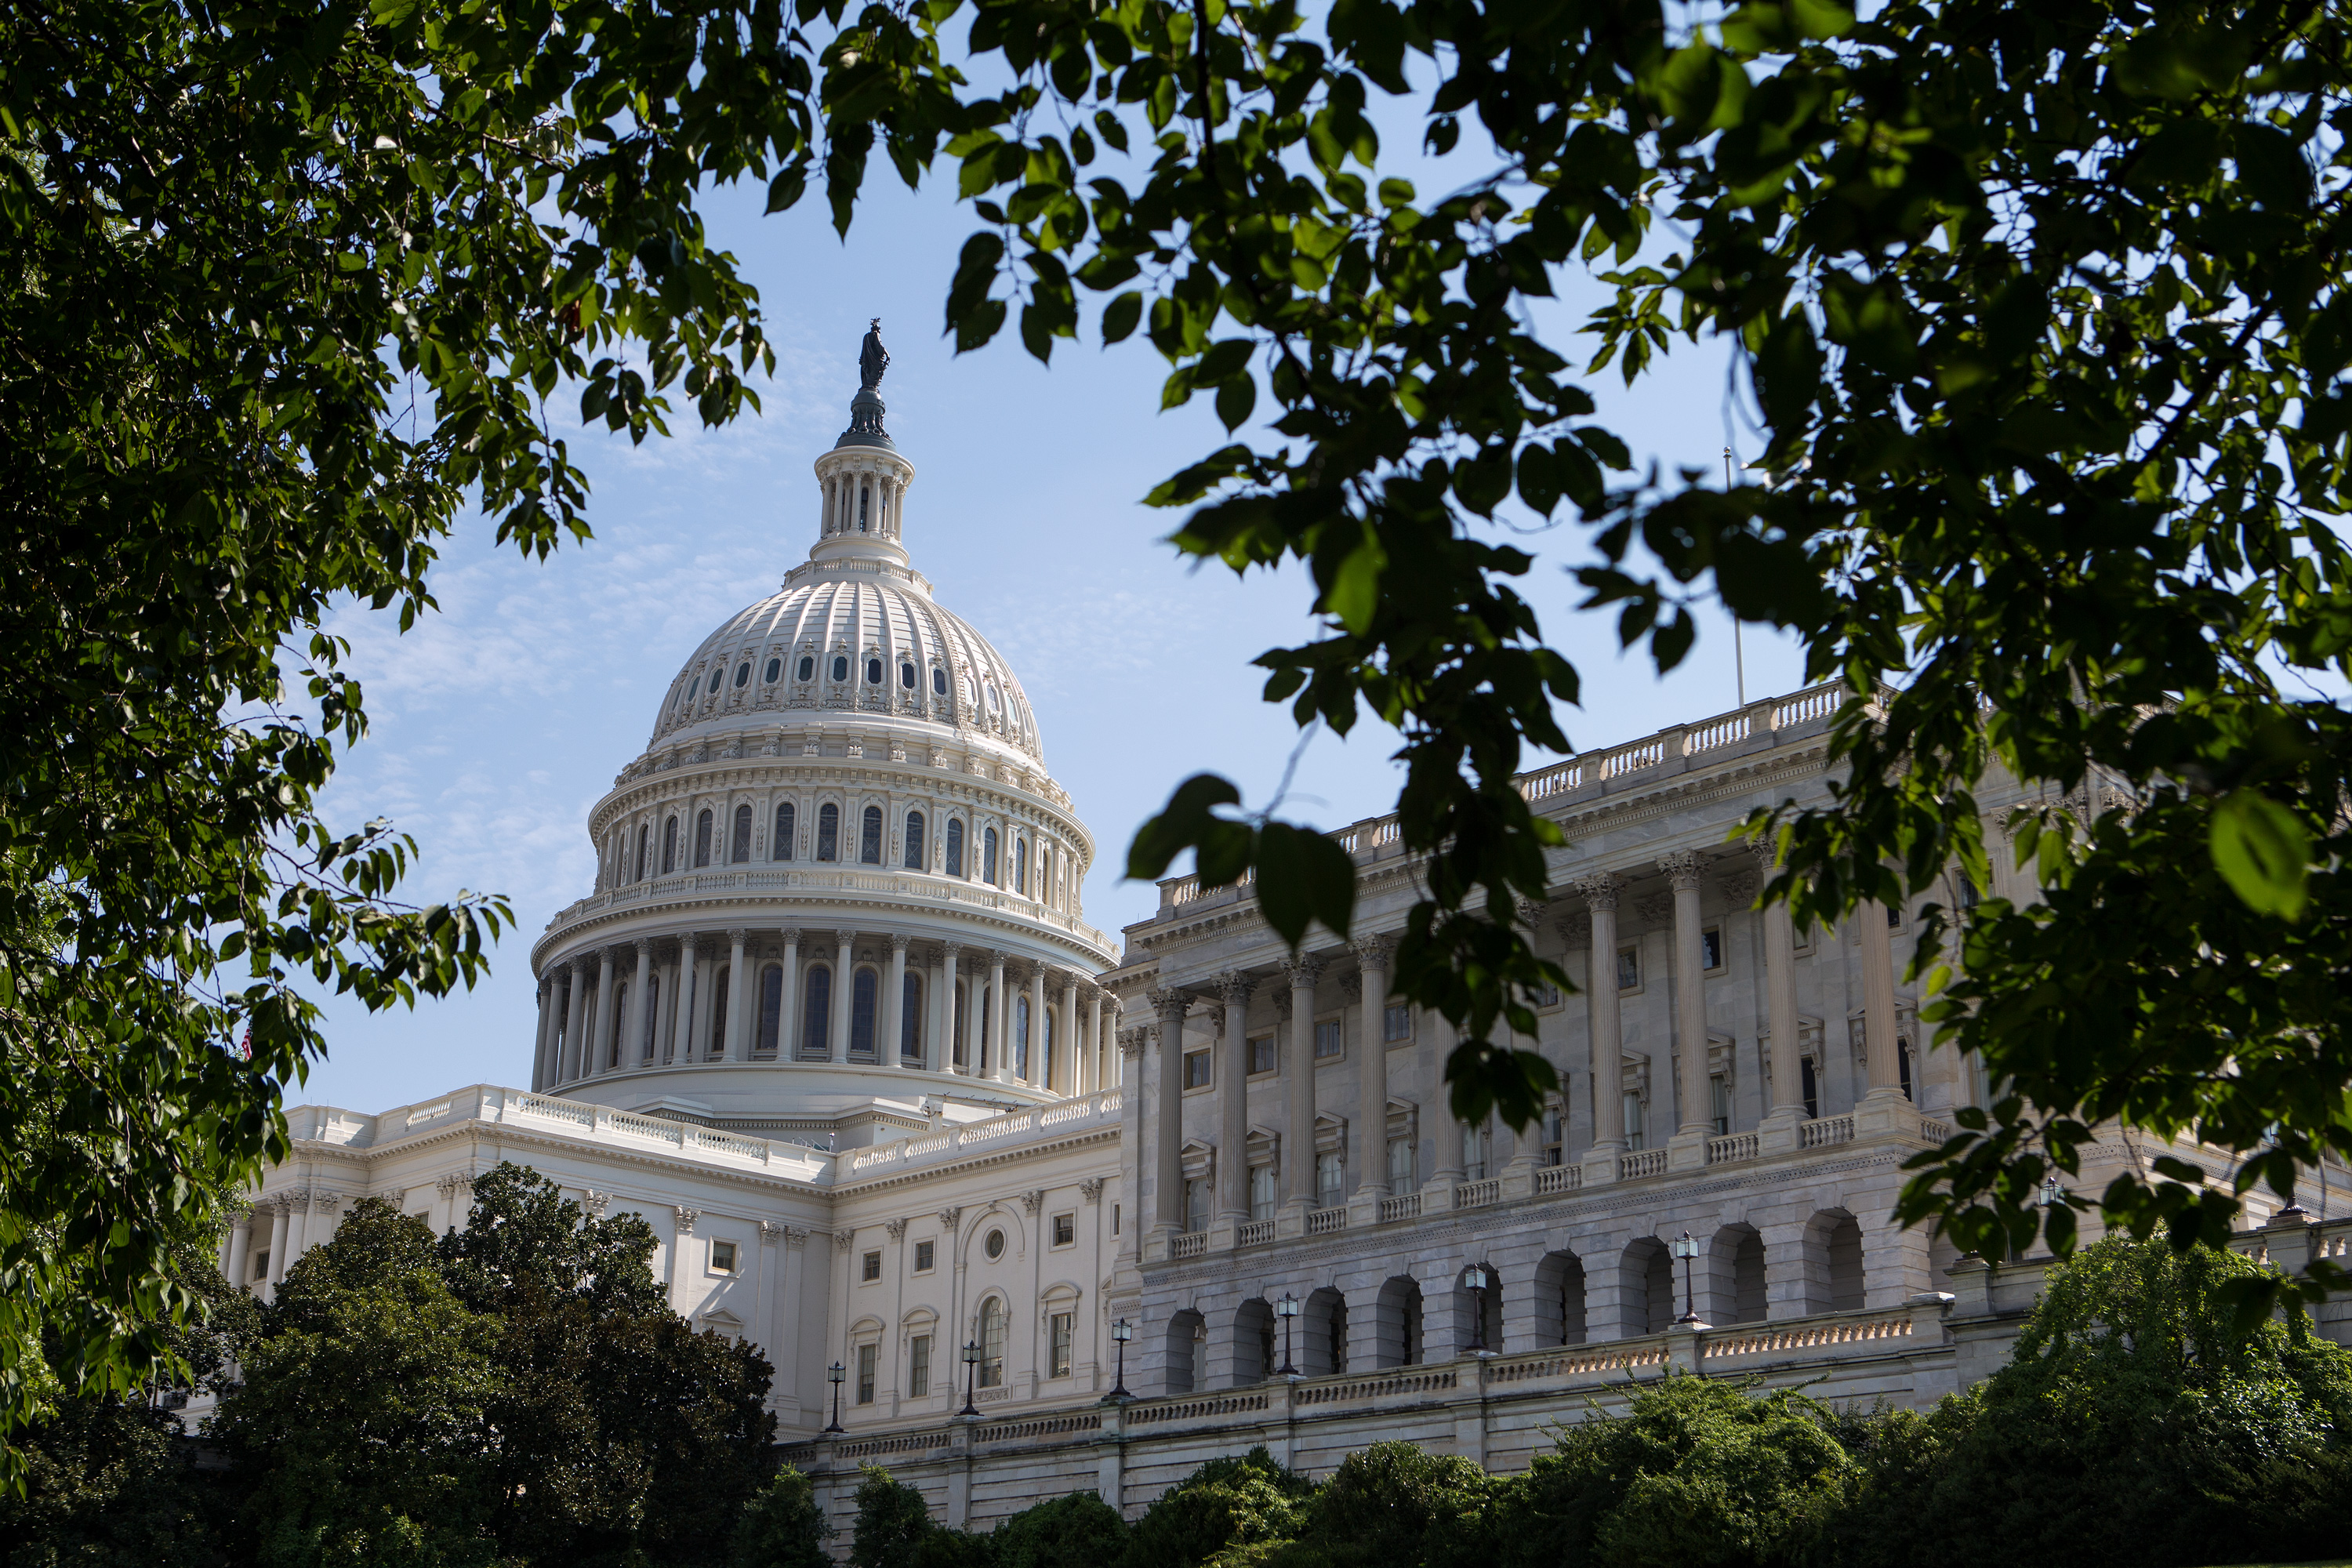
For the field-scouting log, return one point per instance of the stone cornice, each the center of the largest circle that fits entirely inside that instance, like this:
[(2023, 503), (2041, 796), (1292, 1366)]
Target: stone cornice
[(979, 1161), (505, 1133)]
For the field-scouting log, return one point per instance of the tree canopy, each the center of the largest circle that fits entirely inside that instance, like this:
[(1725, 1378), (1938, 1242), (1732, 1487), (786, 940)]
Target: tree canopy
[(2037, 309)]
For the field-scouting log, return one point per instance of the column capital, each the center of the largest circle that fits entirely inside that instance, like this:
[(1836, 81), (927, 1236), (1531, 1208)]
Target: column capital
[(900, 941), (844, 939), (771, 1233), (615, 951), (1170, 1004), (1685, 870), (1766, 852), (583, 960), (686, 940), (1303, 971), (1234, 987), (739, 934), (951, 950), (1131, 1042), (1374, 951), (1598, 891), (1575, 930), (1531, 912), (685, 1219), (791, 935)]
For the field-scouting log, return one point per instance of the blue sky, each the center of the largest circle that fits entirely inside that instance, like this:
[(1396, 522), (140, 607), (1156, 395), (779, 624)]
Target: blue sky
[(497, 722)]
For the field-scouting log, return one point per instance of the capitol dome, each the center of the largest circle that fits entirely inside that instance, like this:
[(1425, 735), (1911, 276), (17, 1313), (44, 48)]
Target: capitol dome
[(839, 875)]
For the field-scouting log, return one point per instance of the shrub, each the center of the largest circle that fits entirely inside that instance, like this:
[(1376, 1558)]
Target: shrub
[(1229, 1501), (1079, 1531), (893, 1520), (782, 1527)]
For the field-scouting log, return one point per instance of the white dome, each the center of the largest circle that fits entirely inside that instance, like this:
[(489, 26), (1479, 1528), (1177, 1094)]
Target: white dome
[(817, 647)]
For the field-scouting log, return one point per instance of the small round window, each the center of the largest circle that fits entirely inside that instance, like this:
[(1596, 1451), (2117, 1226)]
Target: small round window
[(873, 672), (716, 677), (808, 668), (906, 676), (743, 673), (938, 681), (995, 1245), (775, 668), (840, 669)]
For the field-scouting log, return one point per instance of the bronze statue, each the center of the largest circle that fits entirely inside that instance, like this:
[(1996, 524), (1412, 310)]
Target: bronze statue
[(872, 359)]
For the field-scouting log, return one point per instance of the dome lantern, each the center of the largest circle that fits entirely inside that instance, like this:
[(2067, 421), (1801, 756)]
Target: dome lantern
[(862, 481)]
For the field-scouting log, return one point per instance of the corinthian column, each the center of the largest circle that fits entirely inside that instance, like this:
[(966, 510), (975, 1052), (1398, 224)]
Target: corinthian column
[(1168, 1158), (844, 992), (894, 1005), (1687, 872), (738, 997), (1298, 1159), (1233, 1101), (951, 1053), (1000, 1013), (1604, 1032), (1881, 1057), (632, 1040), (595, 1061), (1778, 1128), (1372, 1076), (681, 1036), (575, 1022)]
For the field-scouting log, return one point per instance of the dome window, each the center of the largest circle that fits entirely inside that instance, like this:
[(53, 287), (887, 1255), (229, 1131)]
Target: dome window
[(869, 837), (775, 668), (840, 667), (743, 674), (863, 997), (779, 847), (808, 668), (955, 847), (992, 697), (702, 839), (816, 1013), (716, 677), (873, 672), (669, 845), (988, 856), (739, 846), (828, 832), (939, 681), (906, 676), (914, 841)]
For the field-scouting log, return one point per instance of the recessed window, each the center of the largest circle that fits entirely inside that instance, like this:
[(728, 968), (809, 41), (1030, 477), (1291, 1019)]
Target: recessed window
[(925, 1254), (1196, 1069), (775, 668), (841, 668), (906, 676), (261, 1259), (869, 836), (914, 841), (919, 1367), (828, 832), (722, 1257), (1719, 1096), (1629, 969), (1396, 1023), (991, 698), (867, 1356), (995, 1245), (743, 673), (808, 669), (939, 681), (1113, 1219), (1066, 1229), (1261, 1055), (873, 672), (1331, 1040), (1058, 1335), (1710, 949), (870, 1267), (716, 677)]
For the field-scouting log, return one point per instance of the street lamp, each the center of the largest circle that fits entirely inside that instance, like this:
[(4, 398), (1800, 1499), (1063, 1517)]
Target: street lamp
[(1478, 1282), (836, 1372), (971, 1371), (1288, 1310), (1686, 1250), (2052, 1194), (1120, 1332)]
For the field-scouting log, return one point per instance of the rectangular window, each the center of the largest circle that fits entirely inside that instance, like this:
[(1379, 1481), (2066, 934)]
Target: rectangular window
[(925, 1253), (919, 1367), (1113, 1219), (1474, 1153), (1263, 1197), (1330, 1040), (867, 1356), (1261, 1055), (1718, 1092), (1330, 1180), (1403, 1174), (1629, 969), (1196, 1069), (722, 1257), (1812, 1088), (1066, 1229), (1555, 1128), (261, 1265), (871, 1267), (1196, 1203), (1547, 994), (1710, 949), (1632, 1120), (1059, 1327), (1396, 1022)]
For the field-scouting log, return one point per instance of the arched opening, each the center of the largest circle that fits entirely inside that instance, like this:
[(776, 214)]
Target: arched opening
[(828, 832), (1397, 1331), (914, 841), (1559, 1300), (1045, 1049), (1645, 1288), (1735, 1281), (988, 856), (1020, 1036), (1183, 1342), (991, 1343), (669, 845), (910, 1020), (1834, 1263), (644, 849), (739, 849), (1255, 1356), (955, 1029), (621, 1011), (955, 847), (771, 1007), (702, 837), (869, 837), (779, 847), (863, 990), (816, 1013), (653, 1016), (718, 1044), (1323, 1332), (1021, 866)]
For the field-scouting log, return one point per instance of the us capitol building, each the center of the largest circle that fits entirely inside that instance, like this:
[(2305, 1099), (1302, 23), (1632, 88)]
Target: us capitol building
[(1016, 1209)]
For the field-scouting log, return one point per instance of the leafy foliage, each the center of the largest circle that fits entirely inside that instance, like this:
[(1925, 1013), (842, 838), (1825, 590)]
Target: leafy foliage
[(782, 1527), (1237, 1501), (893, 1522)]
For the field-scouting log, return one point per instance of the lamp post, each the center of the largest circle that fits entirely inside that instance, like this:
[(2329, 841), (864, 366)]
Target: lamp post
[(1686, 1250), (1288, 1310), (971, 1371), (836, 1372), (1478, 1282), (1120, 1332), (2051, 1193)]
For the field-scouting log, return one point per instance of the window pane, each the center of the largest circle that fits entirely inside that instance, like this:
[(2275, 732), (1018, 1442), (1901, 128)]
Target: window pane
[(816, 1017), (1403, 1176), (771, 1006), (702, 839), (914, 841), (1629, 969), (1060, 1364), (1396, 1023), (988, 858), (866, 1359), (991, 1344), (741, 849), (1262, 1192), (1632, 1120), (828, 832), (718, 1044), (869, 837), (919, 1366), (911, 1019), (1328, 1040), (1196, 1069), (861, 1013), (1710, 950), (781, 847), (955, 847)]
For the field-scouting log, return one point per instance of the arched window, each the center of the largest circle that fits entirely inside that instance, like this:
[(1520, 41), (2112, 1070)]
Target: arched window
[(992, 1343), (841, 667), (869, 837), (939, 681), (955, 847), (911, 1019), (771, 1007), (740, 850), (1020, 1036), (702, 837), (955, 1025), (816, 1017), (808, 668), (718, 1046), (1045, 1049), (862, 994), (828, 832), (1021, 865), (914, 841), (865, 495), (669, 845), (653, 1018), (644, 849), (873, 672), (620, 1010), (988, 856), (779, 847), (906, 676)]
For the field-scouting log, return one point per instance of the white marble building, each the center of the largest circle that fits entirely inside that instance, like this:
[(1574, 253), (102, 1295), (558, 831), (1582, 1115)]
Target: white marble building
[(833, 1022)]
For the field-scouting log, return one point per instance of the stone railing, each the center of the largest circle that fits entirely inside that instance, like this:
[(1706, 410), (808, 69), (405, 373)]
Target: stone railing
[(1382, 1385), (1808, 1339), (1217, 1407), (1253, 1233), (1477, 1194), (1552, 1179), (1643, 1162), (1080, 1113), (1823, 1130), (1188, 1244), (1323, 1222), (1735, 1146), (1405, 1207)]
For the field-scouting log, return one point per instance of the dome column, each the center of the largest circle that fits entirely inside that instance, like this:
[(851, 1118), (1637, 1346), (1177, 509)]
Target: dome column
[(738, 983), (1041, 1065), (843, 992), (681, 1034), (575, 1024), (999, 1012), (541, 1072), (1074, 1047), (1298, 1159), (894, 1005), (951, 1045), (633, 1045), (788, 1023), (595, 1061)]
